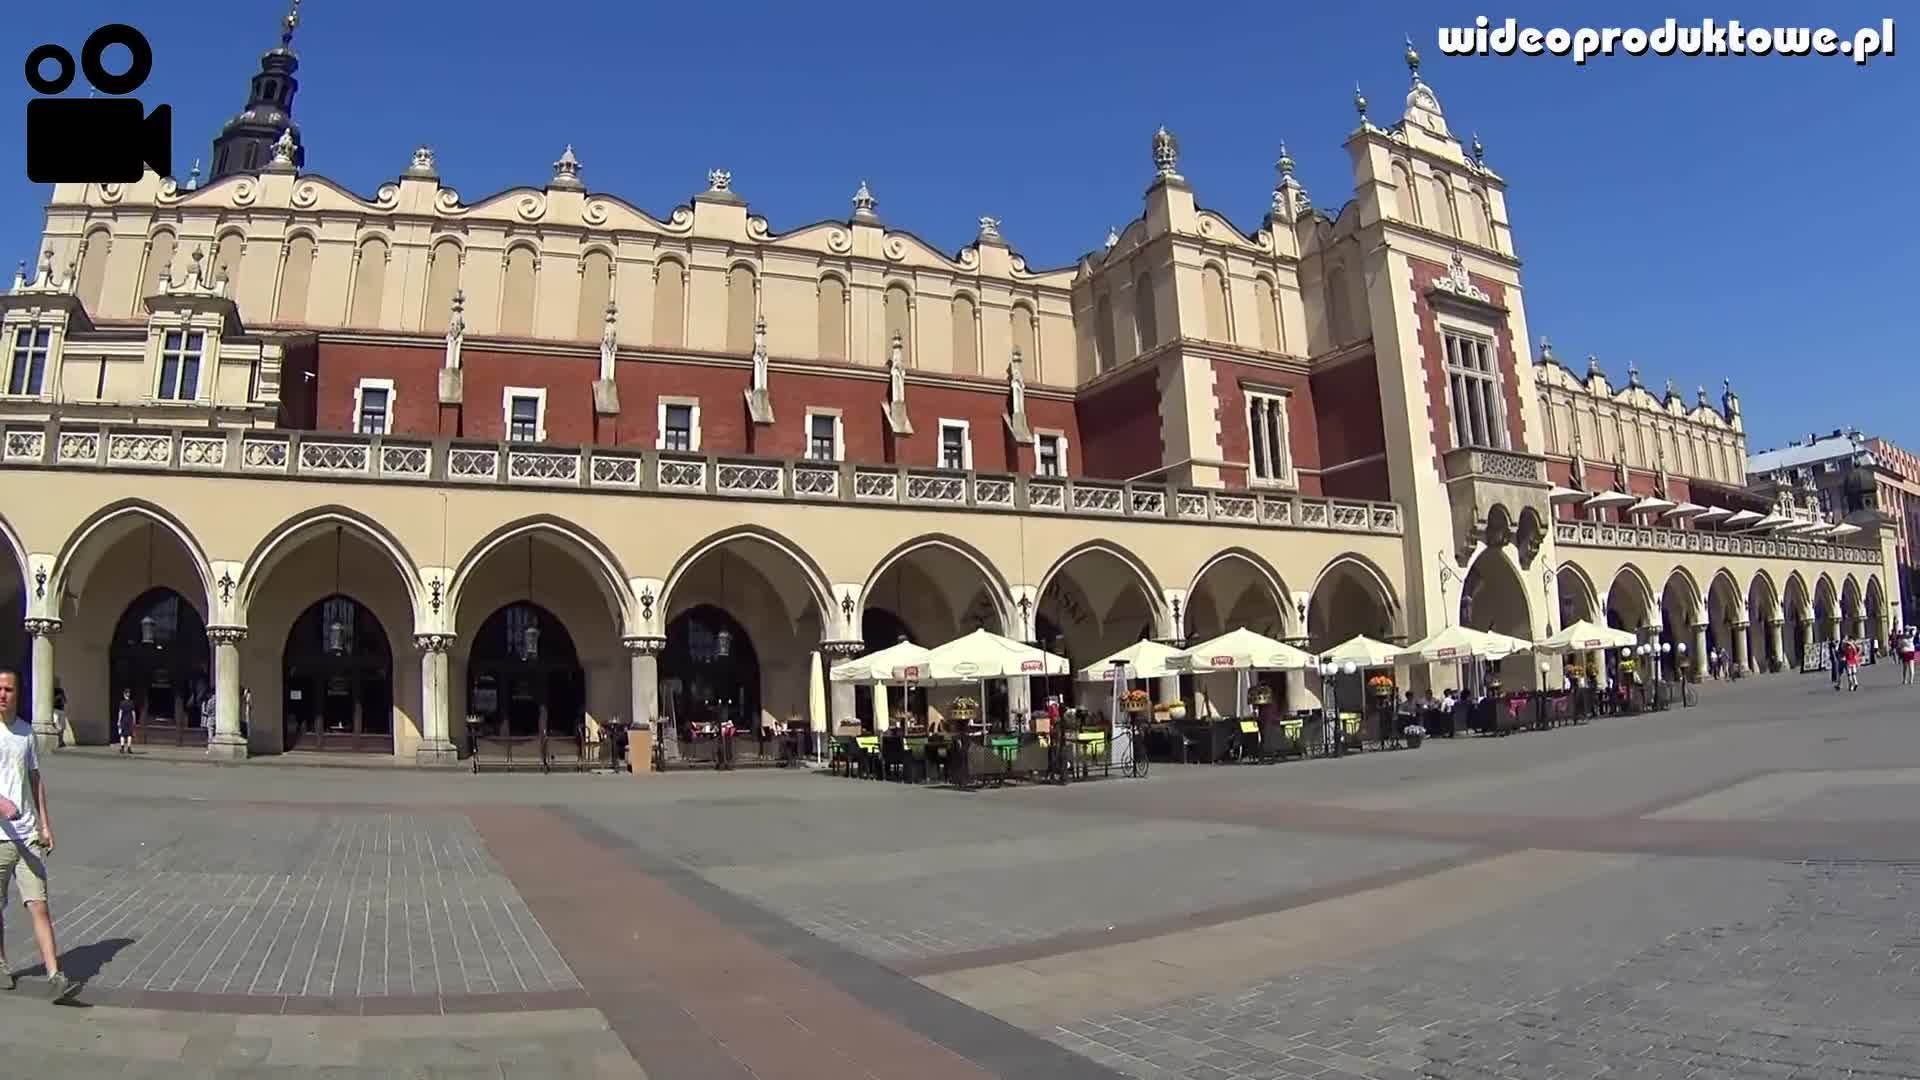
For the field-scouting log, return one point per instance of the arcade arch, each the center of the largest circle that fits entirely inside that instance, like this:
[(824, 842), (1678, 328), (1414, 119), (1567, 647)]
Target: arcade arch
[(111, 564), (1097, 599), (538, 616), (1797, 614), (1351, 597), (938, 588), (1680, 622), (1234, 589), (1726, 619), (744, 613), (1630, 602), (1494, 598), (1826, 610), (1850, 623), (1763, 606), (324, 598), (1578, 598)]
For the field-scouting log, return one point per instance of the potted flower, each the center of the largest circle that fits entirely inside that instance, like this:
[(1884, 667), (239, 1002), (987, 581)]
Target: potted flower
[(1136, 702), (1380, 685), (1414, 733), (964, 709), (1260, 695), (1177, 709)]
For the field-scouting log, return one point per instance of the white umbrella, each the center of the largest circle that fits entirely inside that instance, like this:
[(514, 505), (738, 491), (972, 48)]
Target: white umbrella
[(1744, 517), (1145, 659), (986, 655), (817, 703), (1244, 650), (1609, 498), (1563, 494), (1462, 643), (881, 666), (1685, 510), (1715, 513), (1363, 652), (1651, 504), (1585, 636)]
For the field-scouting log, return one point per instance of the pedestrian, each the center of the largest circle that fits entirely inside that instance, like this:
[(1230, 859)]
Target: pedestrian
[(60, 715), (1852, 658), (26, 837), (1833, 663), (1906, 658), (124, 717)]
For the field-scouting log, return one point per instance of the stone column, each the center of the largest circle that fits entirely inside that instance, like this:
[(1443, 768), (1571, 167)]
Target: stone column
[(436, 705), (1739, 644), (46, 730), (225, 740), (1699, 649), (1776, 645), (643, 686)]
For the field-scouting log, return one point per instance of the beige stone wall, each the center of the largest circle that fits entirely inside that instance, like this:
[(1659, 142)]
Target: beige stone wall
[(1634, 425)]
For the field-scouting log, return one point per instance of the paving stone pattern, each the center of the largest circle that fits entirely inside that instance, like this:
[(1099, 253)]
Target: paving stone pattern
[(1805, 971), (1011, 887), (278, 902)]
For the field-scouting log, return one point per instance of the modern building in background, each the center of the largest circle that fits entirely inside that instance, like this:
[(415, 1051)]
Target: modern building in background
[(543, 460), (1849, 473)]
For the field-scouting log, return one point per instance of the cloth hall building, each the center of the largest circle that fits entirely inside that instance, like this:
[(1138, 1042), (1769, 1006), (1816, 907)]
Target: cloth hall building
[(364, 466)]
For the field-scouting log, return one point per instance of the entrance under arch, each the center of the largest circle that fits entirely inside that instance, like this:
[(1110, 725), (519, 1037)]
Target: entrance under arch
[(1492, 598), (524, 676), (709, 675), (882, 628), (1349, 601), (337, 675), (160, 654)]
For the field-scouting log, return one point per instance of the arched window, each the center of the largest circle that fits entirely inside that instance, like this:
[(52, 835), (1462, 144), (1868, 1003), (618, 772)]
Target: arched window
[(226, 256), (369, 282), (966, 335), (743, 307), (517, 292), (160, 250), (296, 278), (596, 288), (670, 303), (833, 318), (1103, 333), (93, 267), (443, 280), (899, 307), (1269, 313), (1146, 314), (1025, 339), (1214, 284)]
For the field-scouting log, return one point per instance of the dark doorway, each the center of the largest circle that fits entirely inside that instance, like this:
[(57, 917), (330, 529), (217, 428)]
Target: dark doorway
[(524, 676), (337, 673), (710, 674), (160, 653)]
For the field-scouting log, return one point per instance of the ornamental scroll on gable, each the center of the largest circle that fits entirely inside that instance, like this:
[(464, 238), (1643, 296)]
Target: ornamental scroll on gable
[(1458, 284)]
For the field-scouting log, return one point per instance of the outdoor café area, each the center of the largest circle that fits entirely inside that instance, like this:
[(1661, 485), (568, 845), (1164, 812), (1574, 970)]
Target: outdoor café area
[(986, 710)]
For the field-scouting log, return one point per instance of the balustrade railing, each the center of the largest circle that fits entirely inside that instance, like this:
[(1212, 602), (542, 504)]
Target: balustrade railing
[(331, 456), (1651, 538)]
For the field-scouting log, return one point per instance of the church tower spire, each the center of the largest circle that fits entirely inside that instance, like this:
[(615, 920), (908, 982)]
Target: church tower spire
[(245, 143)]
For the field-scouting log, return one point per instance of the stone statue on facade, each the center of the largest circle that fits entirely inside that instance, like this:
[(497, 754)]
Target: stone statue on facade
[(606, 390), (1017, 383), (896, 405), (451, 381), (759, 395)]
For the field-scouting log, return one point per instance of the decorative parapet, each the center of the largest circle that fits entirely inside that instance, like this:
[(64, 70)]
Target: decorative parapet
[(1646, 538), (276, 454), (1501, 466)]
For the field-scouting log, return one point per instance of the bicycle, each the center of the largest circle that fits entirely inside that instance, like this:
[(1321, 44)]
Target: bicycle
[(1137, 760)]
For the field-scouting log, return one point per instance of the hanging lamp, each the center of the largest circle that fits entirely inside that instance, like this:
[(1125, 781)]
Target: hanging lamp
[(148, 625), (336, 632), (723, 641), (530, 633)]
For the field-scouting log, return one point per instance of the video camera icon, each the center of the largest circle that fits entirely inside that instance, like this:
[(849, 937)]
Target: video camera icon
[(95, 141)]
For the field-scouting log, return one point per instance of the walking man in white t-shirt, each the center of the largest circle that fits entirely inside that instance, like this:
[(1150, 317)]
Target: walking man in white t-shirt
[(26, 836)]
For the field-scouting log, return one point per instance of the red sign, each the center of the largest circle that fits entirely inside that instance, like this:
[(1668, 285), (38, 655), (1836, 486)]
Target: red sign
[(1594, 644), (1221, 661), (1033, 665), (1445, 653), (910, 672)]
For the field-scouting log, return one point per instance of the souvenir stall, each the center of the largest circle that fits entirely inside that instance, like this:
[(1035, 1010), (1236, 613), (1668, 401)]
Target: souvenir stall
[(1225, 669)]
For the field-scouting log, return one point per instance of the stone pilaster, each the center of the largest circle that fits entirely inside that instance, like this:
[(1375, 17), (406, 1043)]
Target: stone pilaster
[(436, 743), (1776, 645), (225, 740), (46, 729), (643, 667)]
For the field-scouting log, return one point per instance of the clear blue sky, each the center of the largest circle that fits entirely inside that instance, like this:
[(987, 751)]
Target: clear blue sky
[(1749, 217)]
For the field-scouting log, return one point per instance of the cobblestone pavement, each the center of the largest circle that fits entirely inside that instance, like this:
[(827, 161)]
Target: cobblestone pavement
[(1713, 892)]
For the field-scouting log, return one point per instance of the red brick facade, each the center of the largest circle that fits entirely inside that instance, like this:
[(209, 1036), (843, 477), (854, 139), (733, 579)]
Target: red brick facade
[(1119, 421), (1352, 429), (1231, 381)]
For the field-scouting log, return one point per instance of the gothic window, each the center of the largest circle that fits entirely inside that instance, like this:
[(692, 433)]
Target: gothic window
[(28, 374), (180, 356), (1475, 385), (1267, 438)]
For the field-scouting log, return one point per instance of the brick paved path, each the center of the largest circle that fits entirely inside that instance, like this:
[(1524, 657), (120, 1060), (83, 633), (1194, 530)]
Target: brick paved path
[(1722, 891)]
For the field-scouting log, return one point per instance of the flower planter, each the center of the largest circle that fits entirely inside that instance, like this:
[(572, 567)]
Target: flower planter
[(1177, 711), (1414, 741)]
